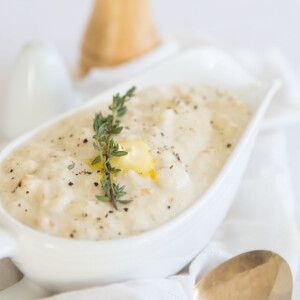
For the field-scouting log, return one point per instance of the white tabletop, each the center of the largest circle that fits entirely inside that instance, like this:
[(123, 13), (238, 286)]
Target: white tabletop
[(256, 25)]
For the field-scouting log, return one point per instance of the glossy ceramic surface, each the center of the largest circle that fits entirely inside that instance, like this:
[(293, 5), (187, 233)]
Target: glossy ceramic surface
[(39, 86)]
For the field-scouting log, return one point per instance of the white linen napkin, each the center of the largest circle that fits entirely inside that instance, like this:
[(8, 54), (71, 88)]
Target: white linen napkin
[(262, 215)]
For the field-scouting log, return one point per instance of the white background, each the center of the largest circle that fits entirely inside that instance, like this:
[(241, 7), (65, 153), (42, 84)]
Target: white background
[(255, 25)]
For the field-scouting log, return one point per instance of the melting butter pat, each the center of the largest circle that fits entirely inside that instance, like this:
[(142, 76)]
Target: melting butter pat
[(138, 159)]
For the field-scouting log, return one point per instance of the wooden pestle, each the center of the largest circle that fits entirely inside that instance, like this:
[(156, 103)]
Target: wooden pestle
[(119, 30)]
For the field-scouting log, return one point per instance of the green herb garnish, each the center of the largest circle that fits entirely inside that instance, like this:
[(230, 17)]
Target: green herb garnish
[(72, 166), (105, 128)]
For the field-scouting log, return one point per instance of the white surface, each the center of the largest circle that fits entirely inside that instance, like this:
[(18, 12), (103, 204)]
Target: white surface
[(177, 242), (250, 24)]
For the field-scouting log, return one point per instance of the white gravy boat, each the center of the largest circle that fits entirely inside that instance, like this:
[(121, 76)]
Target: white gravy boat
[(57, 264)]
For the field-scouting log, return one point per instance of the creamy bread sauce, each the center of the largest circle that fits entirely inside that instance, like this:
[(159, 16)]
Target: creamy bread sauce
[(178, 138)]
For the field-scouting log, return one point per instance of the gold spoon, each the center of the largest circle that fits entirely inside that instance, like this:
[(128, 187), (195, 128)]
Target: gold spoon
[(255, 275)]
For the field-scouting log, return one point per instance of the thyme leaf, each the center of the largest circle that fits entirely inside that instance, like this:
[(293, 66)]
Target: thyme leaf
[(102, 198), (72, 166), (96, 160), (124, 201)]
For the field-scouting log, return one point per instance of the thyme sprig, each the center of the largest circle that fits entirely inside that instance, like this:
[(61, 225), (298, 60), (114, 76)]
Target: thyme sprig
[(105, 128)]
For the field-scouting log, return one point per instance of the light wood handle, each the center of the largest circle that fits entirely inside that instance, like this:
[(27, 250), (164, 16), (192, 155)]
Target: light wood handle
[(118, 31)]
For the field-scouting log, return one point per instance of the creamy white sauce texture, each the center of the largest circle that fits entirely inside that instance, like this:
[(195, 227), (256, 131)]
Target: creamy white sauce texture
[(190, 131)]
